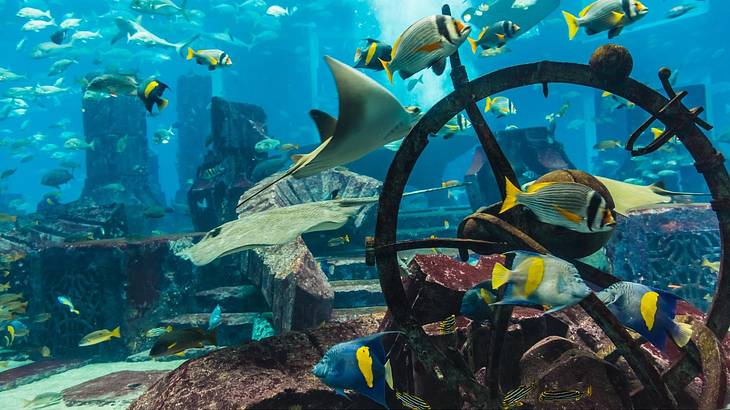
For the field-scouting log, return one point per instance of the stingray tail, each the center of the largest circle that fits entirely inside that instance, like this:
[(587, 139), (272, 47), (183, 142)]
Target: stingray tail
[(287, 173)]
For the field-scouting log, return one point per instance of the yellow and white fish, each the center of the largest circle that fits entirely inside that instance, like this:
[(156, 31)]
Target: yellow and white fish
[(426, 43), (213, 58), (494, 36), (99, 336), (605, 15), (500, 106)]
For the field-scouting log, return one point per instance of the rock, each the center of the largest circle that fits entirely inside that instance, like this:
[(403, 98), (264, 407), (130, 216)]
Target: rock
[(193, 353), (225, 173), (272, 373), (243, 298), (121, 168), (664, 245), (35, 371), (115, 389)]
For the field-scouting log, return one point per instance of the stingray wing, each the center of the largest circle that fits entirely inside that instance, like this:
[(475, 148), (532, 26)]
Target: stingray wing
[(629, 196)]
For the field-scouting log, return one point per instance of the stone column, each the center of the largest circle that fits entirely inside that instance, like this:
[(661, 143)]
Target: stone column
[(193, 126)]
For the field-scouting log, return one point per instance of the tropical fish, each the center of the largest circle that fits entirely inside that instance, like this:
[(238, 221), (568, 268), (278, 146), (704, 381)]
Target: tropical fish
[(339, 241), (514, 398), (618, 102), (370, 56), (459, 123), (151, 95), (11, 331), (78, 144), (9, 298), (99, 336), (158, 331), (33, 13), (278, 11), (45, 352), (288, 147), (607, 145), (714, 266), (212, 58), (680, 10), (160, 7), (215, 318), (494, 36), (426, 43), (213, 172), (59, 36), (541, 280), (56, 177), (500, 106), (567, 204), (41, 317), (154, 212), (446, 326), (565, 395), (43, 400), (267, 144), (649, 312), (358, 365), (605, 15), (67, 302), (177, 341), (476, 301), (414, 82), (163, 136), (4, 218), (412, 402)]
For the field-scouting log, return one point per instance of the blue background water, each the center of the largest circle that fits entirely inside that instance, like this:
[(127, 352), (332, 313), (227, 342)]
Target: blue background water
[(284, 73)]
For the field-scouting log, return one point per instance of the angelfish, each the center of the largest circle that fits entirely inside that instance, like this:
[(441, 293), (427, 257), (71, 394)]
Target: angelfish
[(151, 95), (648, 311), (370, 56), (568, 204), (426, 43), (541, 280)]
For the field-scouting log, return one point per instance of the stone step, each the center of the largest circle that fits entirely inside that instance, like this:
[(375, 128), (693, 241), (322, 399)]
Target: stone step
[(343, 315), (243, 298), (357, 293), (235, 328), (347, 267)]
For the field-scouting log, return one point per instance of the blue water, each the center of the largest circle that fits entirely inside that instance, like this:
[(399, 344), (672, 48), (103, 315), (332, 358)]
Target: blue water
[(283, 72)]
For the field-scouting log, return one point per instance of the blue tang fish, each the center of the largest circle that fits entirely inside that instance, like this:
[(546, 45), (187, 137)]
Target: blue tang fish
[(215, 318), (358, 365), (648, 311), (542, 280)]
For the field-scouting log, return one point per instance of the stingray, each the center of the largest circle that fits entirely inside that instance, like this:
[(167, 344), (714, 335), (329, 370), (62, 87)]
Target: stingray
[(629, 196), (369, 117)]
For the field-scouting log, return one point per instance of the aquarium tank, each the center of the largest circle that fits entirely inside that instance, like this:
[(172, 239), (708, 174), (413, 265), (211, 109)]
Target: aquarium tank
[(364, 204)]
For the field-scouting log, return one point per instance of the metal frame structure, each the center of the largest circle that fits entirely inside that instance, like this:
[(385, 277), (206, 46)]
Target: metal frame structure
[(660, 390)]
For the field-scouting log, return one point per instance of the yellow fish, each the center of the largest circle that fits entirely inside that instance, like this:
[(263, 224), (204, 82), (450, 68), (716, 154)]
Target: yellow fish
[(450, 183), (4, 287), (7, 218), (99, 336), (339, 241), (45, 352), (607, 144), (714, 266)]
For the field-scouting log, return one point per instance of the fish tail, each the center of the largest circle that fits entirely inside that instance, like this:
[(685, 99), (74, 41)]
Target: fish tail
[(162, 103), (682, 334), (511, 197), (190, 55), (116, 332), (75, 311), (473, 44), (388, 374), (184, 10), (500, 275), (488, 105), (705, 262), (386, 67), (656, 132), (572, 22)]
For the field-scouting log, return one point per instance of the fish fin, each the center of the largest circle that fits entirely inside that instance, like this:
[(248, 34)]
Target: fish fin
[(500, 275), (606, 94), (616, 17), (388, 374), (190, 55), (488, 105), (162, 104), (649, 303), (325, 123), (538, 186), (358, 54), (386, 67), (169, 328), (427, 48), (439, 66), (585, 10), (656, 132), (572, 22), (682, 334), (180, 354), (473, 44), (341, 392), (571, 216), (501, 36), (116, 333), (511, 197), (75, 311), (615, 31)]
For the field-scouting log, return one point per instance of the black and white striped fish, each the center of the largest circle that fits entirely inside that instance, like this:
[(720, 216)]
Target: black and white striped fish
[(426, 43), (567, 204), (565, 395), (447, 326), (412, 402), (514, 397)]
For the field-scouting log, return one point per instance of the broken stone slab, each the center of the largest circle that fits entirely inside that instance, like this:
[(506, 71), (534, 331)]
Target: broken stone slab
[(357, 293), (35, 371), (272, 373), (115, 389), (243, 298), (235, 328)]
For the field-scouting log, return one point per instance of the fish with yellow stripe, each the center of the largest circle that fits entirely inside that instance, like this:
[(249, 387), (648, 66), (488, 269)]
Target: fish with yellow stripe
[(540, 280), (552, 396), (571, 205), (476, 301), (372, 54), (494, 36), (515, 397), (605, 15), (426, 43), (648, 311), (151, 94), (213, 58)]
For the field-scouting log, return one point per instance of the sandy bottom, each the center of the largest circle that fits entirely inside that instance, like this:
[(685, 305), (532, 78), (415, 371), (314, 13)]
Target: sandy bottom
[(13, 399)]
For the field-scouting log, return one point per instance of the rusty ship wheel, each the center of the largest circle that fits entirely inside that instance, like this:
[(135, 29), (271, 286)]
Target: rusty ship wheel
[(680, 120)]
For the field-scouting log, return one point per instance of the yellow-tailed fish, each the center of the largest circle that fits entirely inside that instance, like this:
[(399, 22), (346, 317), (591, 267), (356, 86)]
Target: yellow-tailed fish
[(605, 15), (713, 266), (494, 36), (212, 58), (515, 397), (339, 241), (565, 395), (99, 336)]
